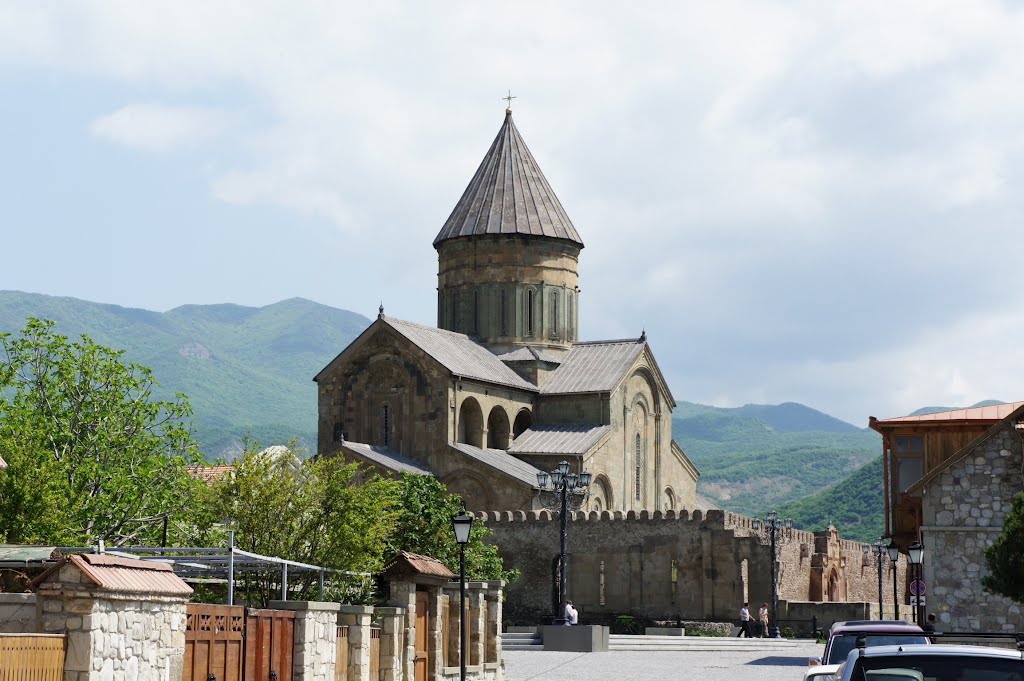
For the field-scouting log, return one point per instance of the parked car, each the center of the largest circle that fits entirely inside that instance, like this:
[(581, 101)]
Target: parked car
[(920, 662), (843, 636)]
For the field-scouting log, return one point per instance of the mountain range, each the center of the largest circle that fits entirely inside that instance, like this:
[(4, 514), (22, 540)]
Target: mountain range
[(248, 373)]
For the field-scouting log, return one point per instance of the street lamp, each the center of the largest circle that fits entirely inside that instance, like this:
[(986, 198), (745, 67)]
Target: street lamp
[(568, 491), (771, 530), (461, 525), (916, 554), (879, 549), (894, 556)]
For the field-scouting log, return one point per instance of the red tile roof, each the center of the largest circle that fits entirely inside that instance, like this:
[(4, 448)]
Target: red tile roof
[(424, 565), (210, 474), (993, 413)]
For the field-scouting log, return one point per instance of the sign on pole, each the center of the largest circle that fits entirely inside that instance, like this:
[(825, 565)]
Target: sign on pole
[(917, 587)]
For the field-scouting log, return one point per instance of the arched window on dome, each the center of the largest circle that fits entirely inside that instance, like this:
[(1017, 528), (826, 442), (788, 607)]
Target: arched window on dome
[(554, 314), (504, 314), (529, 312), (570, 320)]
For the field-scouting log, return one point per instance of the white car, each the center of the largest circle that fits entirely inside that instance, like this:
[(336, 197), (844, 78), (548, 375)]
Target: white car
[(843, 637), (915, 662)]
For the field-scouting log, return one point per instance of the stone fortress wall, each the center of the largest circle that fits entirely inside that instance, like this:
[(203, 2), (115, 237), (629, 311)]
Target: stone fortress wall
[(660, 565)]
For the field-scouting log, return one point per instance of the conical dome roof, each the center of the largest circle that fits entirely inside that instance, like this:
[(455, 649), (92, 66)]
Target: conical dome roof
[(509, 195)]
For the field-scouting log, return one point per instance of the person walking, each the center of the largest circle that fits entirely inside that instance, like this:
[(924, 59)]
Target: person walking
[(762, 621), (744, 622)]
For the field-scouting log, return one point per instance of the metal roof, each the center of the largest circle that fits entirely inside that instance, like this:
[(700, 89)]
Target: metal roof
[(509, 195), (529, 354), (593, 367), (384, 456), (124, 575), (995, 412), (25, 553), (500, 460), (420, 564), (459, 354), (559, 439)]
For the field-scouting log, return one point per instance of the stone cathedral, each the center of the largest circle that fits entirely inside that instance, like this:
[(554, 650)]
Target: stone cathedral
[(503, 388)]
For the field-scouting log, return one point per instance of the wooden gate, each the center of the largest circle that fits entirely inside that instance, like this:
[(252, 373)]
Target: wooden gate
[(31, 657), (421, 663), (213, 642), (341, 664), (269, 645)]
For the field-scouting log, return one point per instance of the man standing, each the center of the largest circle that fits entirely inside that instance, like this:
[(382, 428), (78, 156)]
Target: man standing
[(744, 622), (571, 615)]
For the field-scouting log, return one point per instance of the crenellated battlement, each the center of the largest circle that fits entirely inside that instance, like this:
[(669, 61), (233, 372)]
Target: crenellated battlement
[(544, 516)]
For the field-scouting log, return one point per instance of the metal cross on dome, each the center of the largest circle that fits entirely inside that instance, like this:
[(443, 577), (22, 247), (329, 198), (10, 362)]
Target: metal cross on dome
[(508, 98)]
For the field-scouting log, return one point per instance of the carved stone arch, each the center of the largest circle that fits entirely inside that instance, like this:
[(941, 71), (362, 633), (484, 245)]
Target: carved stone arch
[(524, 419), (386, 387), (601, 489), (499, 432), (670, 500), (471, 423), (474, 489), (648, 376)]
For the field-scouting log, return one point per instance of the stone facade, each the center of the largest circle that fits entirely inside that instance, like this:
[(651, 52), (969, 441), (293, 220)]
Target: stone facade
[(664, 565), (963, 511), (316, 636)]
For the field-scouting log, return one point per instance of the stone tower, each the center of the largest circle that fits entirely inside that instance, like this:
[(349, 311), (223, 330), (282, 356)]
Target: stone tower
[(508, 256)]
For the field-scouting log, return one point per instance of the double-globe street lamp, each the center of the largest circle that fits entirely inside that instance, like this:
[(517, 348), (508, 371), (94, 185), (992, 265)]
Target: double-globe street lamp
[(894, 556), (461, 525), (566, 491), (776, 532)]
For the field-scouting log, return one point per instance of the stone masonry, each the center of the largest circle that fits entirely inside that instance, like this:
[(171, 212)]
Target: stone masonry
[(963, 511), (316, 647)]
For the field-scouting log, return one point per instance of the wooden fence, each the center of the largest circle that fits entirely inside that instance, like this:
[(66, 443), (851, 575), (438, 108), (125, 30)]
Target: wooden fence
[(31, 657), (341, 666), (374, 653)]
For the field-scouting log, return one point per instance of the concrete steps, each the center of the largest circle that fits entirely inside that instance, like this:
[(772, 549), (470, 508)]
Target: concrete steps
[(521, 641), (698, 643)]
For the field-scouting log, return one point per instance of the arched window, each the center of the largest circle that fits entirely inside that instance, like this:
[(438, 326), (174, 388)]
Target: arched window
[(571, 333), (476, 312), (385, 422), (529, 313), (638, 445), (504, 314), (554, 314)]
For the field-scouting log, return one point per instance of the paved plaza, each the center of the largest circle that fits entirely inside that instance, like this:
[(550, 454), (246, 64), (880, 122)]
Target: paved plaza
[(788, 665)]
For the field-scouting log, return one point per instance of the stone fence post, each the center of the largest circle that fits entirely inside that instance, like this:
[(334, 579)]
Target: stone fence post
[(492, 654), (392, 643), (475, 596), (357, 618), (316, 638)]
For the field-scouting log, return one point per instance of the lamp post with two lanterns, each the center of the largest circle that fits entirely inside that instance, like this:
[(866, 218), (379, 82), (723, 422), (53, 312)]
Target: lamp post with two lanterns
[(915, 554), (879, 549), (567, 491), (894, 556), (775, 531)]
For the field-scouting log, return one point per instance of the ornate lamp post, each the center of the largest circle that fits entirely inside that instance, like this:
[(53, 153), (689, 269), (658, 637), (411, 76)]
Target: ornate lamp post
[(776, 532), (916, 554), (566, 491), (879, 549), (461, 525), (894, 556)]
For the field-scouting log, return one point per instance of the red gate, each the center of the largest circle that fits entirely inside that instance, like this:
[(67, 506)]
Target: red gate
[(213, 642)]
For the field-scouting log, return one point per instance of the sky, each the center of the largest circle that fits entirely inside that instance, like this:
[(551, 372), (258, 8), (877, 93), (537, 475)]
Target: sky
[(806, 201)]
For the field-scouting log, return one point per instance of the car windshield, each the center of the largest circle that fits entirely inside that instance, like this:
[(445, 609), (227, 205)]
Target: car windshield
[(842, 645), (938, 668)]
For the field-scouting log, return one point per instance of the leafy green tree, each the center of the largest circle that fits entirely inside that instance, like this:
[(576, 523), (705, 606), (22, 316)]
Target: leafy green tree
[(1005, 558), (312, 511), (91, 454), (425, 527)]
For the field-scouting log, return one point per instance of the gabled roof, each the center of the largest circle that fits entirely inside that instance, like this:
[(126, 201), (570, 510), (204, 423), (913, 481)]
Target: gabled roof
[(559, 439), (210, 474), (596, 366), (414, 567), (384, 457), (124, 575), (965, 451), (529, 354), (991, 413), (509, 195), (500, 460), (456, 352)]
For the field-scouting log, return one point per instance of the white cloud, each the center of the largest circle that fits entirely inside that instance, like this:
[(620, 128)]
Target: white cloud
[(148, 127)]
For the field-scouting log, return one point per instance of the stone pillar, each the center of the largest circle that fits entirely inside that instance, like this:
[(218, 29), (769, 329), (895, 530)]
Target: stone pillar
[(403, 597), (392, 643), (357, 618), (435, 635), (475, 596), (492, 654), (316, 638)]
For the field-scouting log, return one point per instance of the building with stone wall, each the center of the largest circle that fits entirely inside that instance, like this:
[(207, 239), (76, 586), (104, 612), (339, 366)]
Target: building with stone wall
[(963, 509), (504, 388), (699, 565)]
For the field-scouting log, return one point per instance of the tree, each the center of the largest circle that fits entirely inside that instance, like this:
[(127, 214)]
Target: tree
[(310, 511), (1005, 558), (91, 455), (425, 527)]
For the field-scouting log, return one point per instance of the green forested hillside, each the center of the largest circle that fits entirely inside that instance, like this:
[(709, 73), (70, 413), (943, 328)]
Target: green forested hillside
[(755, 457), (854, 506), (246, 370)]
